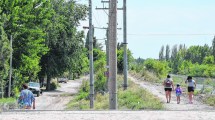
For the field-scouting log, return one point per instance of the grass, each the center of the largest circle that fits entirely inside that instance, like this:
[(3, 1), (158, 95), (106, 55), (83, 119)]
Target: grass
[(146, 76), (11, 102), (134, 98), (7, 100), (210, 100)]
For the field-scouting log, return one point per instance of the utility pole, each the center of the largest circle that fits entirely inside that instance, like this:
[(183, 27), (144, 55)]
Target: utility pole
[(11, 54), (112, 54), (107, 59), (91, 56), (125, 63)]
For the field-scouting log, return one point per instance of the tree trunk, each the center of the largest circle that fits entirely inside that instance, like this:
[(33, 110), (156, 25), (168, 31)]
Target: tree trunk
[(41, 80), (48, 82)]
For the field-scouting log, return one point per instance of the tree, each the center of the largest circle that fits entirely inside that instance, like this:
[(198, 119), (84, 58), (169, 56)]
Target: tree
[(174, 59), (197, 53), (25, 21), (64, 41), (167, 52), (174, 52), (4, 57), (161, 53), (213, 47), (120, 57)]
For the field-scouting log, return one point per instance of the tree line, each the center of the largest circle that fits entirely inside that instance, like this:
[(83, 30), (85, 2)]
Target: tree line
[(46, 41), (195, 60)]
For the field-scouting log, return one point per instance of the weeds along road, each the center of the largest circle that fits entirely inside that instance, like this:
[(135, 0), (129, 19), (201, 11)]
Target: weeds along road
[(57, 100)]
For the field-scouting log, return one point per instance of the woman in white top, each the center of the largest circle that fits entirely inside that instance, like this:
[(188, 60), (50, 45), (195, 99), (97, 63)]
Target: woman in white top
[(168, 87), (191, 84)]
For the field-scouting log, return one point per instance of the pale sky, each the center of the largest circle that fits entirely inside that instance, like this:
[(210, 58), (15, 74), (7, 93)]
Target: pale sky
[(153, 23)]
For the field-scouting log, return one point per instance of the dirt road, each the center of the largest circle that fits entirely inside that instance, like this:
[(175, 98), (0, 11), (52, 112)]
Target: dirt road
[(108, 115), (57, 100), (158, 90)]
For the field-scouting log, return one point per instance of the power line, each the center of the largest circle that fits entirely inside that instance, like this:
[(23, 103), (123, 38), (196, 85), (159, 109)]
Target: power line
[(169, 34)]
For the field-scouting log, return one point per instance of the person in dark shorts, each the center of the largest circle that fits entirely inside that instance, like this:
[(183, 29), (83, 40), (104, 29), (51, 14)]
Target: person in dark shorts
[(191, 84), (168, 87)]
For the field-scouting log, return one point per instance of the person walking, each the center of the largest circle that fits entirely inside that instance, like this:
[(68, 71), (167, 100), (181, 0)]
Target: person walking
[(168, 87), (178, 92), (26, 98), (191, 84)]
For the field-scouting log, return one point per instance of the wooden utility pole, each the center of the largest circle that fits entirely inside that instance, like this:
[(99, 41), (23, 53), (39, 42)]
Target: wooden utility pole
[(125, 63), (112, 54), (91, 56)]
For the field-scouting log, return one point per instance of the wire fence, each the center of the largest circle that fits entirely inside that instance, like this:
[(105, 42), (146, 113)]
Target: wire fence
[(203, 85)]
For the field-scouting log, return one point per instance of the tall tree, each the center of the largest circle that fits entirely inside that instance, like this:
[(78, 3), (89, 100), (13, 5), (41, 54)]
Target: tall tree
[(174, 52), (167, 52), (4, 57), (64, 41), (25, 21), (213, 47), (161, 53)]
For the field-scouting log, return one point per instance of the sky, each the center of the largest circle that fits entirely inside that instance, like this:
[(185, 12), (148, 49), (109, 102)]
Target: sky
[(153, 23)]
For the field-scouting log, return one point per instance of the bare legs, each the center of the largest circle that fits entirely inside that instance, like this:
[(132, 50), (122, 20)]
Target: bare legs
[(178, 99), (168, 96), (190, 97)]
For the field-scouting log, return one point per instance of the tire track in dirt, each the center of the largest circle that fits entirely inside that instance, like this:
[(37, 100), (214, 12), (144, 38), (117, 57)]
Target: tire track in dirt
[(57, 100)]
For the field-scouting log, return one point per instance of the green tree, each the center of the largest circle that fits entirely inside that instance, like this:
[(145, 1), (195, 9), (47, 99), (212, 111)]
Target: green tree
[(4, 57), (64, 41), (167, 52), (197, 53), (120, 57), (161, 53), (25, 21), (213, 47)]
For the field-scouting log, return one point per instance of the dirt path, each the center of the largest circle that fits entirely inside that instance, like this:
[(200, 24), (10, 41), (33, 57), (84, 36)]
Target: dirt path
[(158, 90), (57, 100)]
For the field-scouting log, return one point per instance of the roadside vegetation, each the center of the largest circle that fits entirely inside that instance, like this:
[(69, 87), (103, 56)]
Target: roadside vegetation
[(134, 98), (46, 42), (8, 103), (210, 100)]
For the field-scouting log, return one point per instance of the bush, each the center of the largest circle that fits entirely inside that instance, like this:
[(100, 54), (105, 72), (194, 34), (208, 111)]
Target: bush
[(53, 86), (8, 103), (150, 76), (210, 100)]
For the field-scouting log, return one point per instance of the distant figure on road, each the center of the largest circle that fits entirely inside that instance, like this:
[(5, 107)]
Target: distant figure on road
[(191, 84), (168, 87), (26, 98), (178, 92)]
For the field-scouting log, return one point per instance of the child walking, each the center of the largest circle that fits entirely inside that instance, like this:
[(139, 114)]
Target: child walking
[(178, 92)]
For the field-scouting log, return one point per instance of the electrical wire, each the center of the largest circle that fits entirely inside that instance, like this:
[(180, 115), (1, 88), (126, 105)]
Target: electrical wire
[(169, 34)]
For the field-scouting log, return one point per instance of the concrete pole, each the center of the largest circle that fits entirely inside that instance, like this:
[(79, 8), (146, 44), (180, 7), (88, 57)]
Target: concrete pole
[(11, 54), (125, 70), (112, 54), (91, 56), (107, 60)]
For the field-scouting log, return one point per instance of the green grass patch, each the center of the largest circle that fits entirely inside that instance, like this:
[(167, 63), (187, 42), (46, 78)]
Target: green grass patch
[(7, 100), (10, 102), (210, 100)]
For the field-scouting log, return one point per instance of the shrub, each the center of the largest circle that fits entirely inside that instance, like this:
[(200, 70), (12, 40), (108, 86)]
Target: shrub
[(210, 100), (53, 86)]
